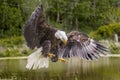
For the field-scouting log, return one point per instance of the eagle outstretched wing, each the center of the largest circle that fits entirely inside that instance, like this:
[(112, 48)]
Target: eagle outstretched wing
[(31, 33), (82, 46)]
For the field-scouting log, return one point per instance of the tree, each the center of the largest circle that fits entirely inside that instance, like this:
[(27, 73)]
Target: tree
[(11, 21)]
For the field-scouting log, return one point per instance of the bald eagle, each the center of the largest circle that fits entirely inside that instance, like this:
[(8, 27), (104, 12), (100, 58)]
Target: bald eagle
[(38, 34), (79, 45), (56, 44)]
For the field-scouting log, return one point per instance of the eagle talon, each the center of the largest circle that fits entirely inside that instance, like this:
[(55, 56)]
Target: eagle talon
[(61, 59), (51, 55)]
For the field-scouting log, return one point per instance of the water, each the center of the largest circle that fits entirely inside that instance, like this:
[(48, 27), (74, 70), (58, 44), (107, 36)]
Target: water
[(102, 69)]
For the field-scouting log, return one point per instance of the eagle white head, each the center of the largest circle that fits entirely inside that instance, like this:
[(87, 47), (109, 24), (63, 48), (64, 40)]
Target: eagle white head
[(62, 36)]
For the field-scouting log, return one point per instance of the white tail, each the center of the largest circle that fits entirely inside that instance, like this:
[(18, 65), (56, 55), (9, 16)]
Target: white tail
[(35, 61)]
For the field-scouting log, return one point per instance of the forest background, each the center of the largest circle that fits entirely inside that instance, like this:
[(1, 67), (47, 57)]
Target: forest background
[(100, 19)]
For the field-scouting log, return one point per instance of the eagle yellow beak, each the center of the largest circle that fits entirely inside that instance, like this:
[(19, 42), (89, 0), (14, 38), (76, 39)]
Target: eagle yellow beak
[(65, 42)]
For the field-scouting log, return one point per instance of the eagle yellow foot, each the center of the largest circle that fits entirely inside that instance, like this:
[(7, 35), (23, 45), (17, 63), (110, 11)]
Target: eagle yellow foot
[(51, 55), (62, 60)]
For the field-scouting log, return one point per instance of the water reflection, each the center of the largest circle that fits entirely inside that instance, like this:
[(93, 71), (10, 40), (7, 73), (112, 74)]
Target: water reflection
[(74, 69)]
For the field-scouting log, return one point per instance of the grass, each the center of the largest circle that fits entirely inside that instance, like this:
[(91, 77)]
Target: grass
[(14, 46)]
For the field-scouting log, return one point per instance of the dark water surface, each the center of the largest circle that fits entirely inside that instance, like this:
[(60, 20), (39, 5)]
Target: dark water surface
[(102, 69)]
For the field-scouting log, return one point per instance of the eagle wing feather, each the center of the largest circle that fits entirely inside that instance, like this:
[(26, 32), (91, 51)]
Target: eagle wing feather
[(82, 46), (32, 33)]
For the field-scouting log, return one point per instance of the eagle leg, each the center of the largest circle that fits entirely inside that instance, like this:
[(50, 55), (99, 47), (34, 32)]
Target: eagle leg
[(46, 49), (51, 55)]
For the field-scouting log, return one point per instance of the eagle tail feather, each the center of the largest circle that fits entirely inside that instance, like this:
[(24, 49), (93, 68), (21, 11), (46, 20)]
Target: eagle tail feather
[(36, 61)]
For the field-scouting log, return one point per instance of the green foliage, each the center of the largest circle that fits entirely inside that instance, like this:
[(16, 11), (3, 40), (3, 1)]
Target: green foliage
[(88, 13), (11, 42), (83, 15), (106, 31), (102, 16), (14, 46), (11, 20), (66, 13), (115, 49), (14, 52)]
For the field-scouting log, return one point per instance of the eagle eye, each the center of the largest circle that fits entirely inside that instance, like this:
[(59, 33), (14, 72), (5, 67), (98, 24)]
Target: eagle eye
[(83, 40)]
